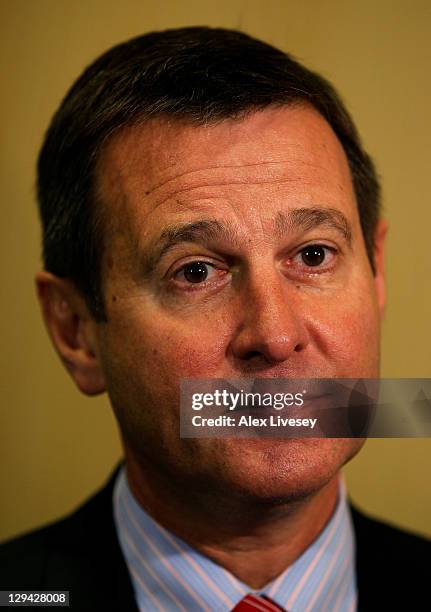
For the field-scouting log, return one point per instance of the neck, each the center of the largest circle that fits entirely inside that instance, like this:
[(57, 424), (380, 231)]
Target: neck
[(254, 541)]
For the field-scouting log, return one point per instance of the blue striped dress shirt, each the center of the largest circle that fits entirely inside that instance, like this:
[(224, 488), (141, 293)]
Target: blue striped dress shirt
[(168, 575)]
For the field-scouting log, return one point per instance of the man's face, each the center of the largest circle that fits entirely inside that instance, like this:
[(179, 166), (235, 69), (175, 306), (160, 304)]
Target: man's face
[(245, 198)]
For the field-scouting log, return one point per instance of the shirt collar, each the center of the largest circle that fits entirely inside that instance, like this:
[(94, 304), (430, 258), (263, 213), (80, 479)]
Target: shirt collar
[(167, 574)]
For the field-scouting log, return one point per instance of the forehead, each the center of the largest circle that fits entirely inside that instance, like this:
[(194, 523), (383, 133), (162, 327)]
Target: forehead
[(165, 168)]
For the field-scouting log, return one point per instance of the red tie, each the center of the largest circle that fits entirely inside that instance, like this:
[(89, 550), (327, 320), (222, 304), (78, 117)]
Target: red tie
[(253, 603)]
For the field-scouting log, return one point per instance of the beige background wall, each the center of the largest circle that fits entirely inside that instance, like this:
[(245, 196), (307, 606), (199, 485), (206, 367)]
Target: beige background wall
[(56, 446)]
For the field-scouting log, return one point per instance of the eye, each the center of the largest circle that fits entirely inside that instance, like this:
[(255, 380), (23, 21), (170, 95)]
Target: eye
[(314, 255), (195, 272)]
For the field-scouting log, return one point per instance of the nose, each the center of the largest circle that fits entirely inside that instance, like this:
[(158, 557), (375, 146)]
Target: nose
[(271, 328)]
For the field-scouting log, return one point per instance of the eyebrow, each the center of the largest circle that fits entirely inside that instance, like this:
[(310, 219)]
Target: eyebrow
[(307, 219), (208, 230)]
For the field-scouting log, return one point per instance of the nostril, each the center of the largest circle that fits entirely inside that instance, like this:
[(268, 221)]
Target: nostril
[(252, 354)]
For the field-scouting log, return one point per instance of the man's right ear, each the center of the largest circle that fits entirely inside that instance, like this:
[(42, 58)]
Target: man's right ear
[(72, 329)]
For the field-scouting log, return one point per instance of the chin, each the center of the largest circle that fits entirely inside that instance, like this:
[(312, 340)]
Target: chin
[(280, 471)]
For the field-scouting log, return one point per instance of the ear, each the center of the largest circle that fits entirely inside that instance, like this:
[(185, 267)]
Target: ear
[(72, 330), (379, 263)]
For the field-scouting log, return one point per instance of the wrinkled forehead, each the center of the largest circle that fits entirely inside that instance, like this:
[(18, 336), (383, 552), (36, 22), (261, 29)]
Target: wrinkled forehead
[(146, 165)]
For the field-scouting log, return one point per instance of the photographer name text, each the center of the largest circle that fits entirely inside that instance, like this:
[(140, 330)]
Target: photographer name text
[(250, 421)]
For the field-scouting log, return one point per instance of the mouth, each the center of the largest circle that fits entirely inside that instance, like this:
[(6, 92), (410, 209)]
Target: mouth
[(257, 409)]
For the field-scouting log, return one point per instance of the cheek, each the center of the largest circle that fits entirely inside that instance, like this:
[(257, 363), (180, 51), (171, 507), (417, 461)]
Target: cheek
[(189, 355), (349, 335), (144, 362), (162, 350)]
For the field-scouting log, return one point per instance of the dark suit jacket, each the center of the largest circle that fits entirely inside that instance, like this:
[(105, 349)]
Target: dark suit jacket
[(81, 554)]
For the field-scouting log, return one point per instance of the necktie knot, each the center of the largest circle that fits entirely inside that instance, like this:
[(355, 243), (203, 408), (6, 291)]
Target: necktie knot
[(254, 603)]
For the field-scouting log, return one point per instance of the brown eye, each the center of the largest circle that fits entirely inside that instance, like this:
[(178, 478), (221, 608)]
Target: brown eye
[(313, 255), (195, 272)]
